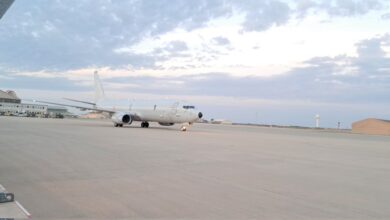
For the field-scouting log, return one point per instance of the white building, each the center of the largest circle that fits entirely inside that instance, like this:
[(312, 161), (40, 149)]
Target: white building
[(19, 108), (10, 104)]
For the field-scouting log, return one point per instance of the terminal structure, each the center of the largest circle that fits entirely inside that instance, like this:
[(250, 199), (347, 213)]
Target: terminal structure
[(11, 104)]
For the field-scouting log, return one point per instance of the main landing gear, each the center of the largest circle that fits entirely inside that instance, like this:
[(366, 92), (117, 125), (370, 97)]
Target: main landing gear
[(144, 124), (118, 125)]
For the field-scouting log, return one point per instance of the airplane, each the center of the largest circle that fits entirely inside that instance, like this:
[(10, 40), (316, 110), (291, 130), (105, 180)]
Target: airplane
[(165, 116)]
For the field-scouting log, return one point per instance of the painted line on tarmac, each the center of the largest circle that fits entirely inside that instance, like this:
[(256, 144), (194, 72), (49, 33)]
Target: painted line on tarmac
[(23, 209), (18, 204)]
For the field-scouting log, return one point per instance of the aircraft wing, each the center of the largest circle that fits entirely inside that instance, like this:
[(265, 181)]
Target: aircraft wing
[(4, 5), (79, 107), (85, 102)]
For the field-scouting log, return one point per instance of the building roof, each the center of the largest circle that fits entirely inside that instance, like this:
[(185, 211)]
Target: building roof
[(4, 5), (52, 107), (372, 119), (8, 95)]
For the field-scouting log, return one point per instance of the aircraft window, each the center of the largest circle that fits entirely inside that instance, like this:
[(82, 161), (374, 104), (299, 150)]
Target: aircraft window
[(189, 107)]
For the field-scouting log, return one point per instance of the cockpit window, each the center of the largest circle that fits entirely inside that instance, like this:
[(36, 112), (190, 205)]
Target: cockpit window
[(189, 107)]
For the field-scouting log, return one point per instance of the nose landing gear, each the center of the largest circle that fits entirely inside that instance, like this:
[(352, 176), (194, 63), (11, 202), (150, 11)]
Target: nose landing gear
[(184, 126)]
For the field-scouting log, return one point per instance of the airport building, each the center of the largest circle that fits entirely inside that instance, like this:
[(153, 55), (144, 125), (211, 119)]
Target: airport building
[(372, 126), (55, 111), (11, 104), (9, 97)]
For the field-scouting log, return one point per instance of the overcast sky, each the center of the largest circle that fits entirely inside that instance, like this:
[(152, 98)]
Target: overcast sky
[(279, 62)]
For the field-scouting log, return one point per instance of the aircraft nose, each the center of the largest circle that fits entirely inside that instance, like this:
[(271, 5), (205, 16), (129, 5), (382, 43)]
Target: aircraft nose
[(200, 115)]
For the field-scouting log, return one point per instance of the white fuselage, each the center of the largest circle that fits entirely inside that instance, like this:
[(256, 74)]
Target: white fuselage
[(155, 113)]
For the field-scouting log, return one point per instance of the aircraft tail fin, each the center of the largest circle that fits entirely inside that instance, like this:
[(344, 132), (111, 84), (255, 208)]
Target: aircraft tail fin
[(99, 91)]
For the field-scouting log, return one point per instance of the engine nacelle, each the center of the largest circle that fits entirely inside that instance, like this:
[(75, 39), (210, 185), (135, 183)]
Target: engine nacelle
[(122, 118), (166, 124)]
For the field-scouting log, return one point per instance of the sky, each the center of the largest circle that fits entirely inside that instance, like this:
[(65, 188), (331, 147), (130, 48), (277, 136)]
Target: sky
[(254, 61)]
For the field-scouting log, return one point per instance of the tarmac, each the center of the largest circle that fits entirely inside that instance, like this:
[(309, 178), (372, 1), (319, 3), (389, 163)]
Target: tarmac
[(88, 169)]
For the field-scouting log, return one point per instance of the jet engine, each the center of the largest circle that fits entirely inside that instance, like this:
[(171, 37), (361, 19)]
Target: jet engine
[(122, 118)]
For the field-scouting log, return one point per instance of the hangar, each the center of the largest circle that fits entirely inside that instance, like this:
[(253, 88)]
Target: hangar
[(372, 126), (11, 104)]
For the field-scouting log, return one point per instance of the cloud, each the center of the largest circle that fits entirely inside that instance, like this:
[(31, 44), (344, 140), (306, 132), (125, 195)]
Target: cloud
[(63, 35), (338, 7), (356, 79), (372, 60), (37, 83), (176, 46), (386, 16), (351, 7), (221, 41), (340, 79), (171, 50), (261, 15), (67, 35)]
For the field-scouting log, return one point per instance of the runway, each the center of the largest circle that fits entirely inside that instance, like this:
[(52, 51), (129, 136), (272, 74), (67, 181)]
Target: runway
[(86, 169)]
